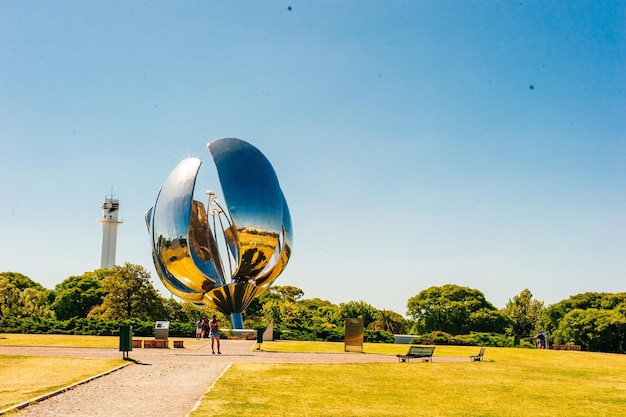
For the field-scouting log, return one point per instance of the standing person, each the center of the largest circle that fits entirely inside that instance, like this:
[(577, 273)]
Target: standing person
[(205, 327), (199, 329), (214, 328), (541, 341)]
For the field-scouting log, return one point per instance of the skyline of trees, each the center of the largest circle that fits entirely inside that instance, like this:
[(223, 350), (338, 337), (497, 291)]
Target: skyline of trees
[(597, 321), (454, 309)]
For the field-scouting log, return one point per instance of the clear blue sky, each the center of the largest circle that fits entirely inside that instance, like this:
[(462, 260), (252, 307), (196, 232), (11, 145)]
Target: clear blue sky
[(418, 143)]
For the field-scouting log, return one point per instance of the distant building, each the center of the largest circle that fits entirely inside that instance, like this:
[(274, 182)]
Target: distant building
[(110, 210)]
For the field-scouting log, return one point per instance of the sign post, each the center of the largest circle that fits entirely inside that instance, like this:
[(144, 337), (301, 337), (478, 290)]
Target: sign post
[(354, 335)]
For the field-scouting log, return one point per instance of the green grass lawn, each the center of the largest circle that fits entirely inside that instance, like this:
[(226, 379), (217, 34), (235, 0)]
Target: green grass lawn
[(512, 382)]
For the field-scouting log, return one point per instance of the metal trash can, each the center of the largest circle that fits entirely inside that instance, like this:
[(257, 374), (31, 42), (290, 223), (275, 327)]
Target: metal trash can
[(126, 340), (162, 330)]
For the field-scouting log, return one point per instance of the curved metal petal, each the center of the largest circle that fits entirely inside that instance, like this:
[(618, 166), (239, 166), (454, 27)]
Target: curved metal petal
[(232, 298), (171, 283), (266, 279), (254, 201), (171, 219), (174, 286), (203, 247)]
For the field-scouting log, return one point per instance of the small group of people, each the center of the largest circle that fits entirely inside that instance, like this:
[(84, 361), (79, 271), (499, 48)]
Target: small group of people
[(204, 326)]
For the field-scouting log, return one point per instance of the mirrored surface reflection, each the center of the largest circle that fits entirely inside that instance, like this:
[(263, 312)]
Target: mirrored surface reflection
[(227, 253)]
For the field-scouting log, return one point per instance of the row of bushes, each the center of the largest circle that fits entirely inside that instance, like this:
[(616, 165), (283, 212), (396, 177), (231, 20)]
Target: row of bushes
[(98, 327), (472, 339), (332, 335), (92, 326)]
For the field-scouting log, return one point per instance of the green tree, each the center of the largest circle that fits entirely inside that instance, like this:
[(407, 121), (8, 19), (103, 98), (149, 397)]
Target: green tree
[(389, 321), (9, 294), (294, 315), (488, 321), (254, 312), (22, 297), (129, 294), (593, 329), (33, 303), (77, 295), (286, 314), (596, 321), (583, 301), (21, 282), (278, 304), (324, 314), (174, 311), (357, 309), (447, 308), (271, 312), (194, 312), (287, 292), (524, 314)]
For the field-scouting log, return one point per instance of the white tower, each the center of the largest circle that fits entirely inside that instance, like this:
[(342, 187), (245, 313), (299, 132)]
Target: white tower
[(110, 209)]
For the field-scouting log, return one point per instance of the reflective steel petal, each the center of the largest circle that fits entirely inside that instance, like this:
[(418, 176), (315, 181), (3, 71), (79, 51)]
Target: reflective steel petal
[(171, 219), (254, 200)]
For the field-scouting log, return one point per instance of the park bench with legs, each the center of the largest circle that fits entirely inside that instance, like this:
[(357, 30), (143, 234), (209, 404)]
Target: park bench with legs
[(425, 353), (479, 357)]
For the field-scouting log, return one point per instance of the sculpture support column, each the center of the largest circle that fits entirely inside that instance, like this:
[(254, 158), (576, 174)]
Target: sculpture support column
[(236, 320)]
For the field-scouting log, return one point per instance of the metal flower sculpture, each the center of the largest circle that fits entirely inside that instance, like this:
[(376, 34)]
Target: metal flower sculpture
[(226, 262)]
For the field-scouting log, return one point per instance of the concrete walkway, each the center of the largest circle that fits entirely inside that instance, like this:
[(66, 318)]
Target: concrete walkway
[(162, 382)]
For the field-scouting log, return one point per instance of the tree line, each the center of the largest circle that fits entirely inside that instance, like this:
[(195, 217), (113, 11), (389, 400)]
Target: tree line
[(98, 302)]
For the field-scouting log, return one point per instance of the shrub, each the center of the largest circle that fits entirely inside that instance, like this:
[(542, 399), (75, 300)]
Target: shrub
[(90, 326), (378, 336), (472, 339)]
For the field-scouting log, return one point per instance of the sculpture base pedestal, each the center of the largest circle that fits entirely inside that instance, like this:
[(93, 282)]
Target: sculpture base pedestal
[(240, 334)]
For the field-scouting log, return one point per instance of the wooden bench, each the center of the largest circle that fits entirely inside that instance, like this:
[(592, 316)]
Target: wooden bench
[(178, 344), (566, 347), (425, 353), (155, 343), (137, 343), (479, 357)]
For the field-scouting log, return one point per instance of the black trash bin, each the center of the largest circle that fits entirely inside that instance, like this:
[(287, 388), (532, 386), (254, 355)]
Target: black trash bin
[(126, 340), (259, 337)]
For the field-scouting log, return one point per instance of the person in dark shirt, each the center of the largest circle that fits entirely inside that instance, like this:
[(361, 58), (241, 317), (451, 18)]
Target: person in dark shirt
[(214, 332)]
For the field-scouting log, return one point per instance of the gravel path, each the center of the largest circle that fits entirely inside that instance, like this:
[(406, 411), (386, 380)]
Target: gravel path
[(162, 382)]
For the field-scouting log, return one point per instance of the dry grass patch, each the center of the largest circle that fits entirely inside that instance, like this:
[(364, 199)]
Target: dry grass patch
[(516, 383), (23, 378), (81, 341), (59, 340), (373, 348)]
